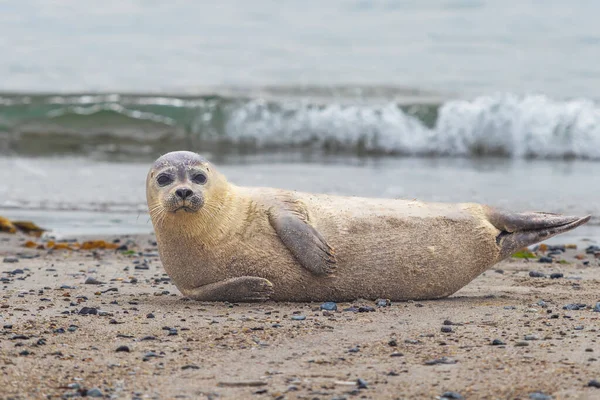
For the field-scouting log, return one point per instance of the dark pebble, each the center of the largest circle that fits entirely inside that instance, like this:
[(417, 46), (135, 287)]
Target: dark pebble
[(72, 328), (142, 267), (329, 306), (362, 384), (261, 391), (366, 309), (447, 322), (521, 344), (173, 332), (443, 360), (351, 309), (19, 337), (190, 366), (150, 315), (11, 260), (124, 349), (9, 326), (298, 317), (447, 329), (145, 338), (547, 260), (594, 383), (59, 330), (537, 274), (88, 311), (92, 281), (25, 353), (452, 396), (41, 342), (592, 249), (539, 396), (498, 342), (397, 354), (597, 307), (354, 350), (574, 307), (393, 343), (556, 275)]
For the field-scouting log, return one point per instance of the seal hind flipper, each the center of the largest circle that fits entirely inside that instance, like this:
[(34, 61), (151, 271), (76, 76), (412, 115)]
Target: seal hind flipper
[(306, 243), (518, 230)]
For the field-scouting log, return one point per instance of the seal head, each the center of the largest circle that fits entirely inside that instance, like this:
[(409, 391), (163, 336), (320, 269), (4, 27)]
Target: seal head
[(177, 181)]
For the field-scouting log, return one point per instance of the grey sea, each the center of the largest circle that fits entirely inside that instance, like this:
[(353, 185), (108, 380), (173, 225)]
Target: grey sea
[(440, 100)]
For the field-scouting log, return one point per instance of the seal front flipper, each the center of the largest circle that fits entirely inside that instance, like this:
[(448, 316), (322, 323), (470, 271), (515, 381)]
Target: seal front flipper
[(242, 289), (306, 243)]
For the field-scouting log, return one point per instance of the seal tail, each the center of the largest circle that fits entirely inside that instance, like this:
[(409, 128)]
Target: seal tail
[(518, 230)]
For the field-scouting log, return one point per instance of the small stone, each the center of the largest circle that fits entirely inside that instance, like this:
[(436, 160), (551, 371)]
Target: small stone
[(383, 303), (9, 326), (539, 396), (531, 337), (556, 275), (365, 309), (537, 274), (498, 342), (574, 307), (354, 350), (521, 344), (190, 366), (542, 304), (123, 349), (597, 307), (329, 306), (95, 392), (88, 311), (92, 281), (24, 353), (443, 360), (393, 343), (452, 396), (547, 260), (362, 384), (72, 328), (579, 328), (150, 315), (172, 332), (447, 329), (397, 354), (11, 260), (298, 317), (594, 383)]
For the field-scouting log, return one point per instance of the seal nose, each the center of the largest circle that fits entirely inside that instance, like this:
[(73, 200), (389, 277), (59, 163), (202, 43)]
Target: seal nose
[(183, 193)]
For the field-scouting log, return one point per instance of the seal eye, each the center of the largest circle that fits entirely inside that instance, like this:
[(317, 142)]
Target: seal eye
[(199, 179), (164, 180)]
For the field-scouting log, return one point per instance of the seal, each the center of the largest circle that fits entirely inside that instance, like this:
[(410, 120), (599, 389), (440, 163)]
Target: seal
[(223, 242)]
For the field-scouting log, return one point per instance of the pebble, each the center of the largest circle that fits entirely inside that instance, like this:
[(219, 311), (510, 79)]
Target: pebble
[(95, 392), (72, 328), (443, 360), (150, 315), (88, 311), (574, 307), (172, 332), (329, 306), (383, 302), (597, 307), (124, 349), (362, 384), (537, 274), (498, 342), (556, 275), (521, 344), (452, 396), (366, 309), (393, 343), (594, 383), (592, 249), (531, 337), (544, 259), (190, 366), (92, 281), (298, 317), (539, 396), (9, 326), (11, 260), (447, 329), (542, 304), (354, 350)]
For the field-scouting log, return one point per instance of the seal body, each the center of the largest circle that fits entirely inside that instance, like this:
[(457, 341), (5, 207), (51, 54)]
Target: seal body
[(311, 247)]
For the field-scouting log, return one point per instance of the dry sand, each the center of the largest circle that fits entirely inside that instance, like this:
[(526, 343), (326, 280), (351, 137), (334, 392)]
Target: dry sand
[(183, 349)]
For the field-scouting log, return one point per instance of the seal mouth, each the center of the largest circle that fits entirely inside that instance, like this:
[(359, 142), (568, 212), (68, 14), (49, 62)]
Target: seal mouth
[(184, 209)]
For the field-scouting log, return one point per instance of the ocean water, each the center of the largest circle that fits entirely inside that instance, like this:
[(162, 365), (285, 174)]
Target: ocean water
[(441, 100)]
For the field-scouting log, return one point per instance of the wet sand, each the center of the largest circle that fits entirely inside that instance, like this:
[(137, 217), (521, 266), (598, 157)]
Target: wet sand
[(59, 336)]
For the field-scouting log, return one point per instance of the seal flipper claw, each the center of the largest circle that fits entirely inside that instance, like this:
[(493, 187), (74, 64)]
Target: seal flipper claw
[(306, 243), (518, 230)]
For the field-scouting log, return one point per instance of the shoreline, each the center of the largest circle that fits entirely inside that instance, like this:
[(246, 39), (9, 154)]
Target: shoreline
[(60, 335)]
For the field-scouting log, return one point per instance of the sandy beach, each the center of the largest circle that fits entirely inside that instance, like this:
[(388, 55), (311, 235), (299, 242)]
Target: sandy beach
[(128, 333)]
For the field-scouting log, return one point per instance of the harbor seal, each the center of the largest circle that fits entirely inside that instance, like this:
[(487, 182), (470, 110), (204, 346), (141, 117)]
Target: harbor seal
[(223, 242)]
